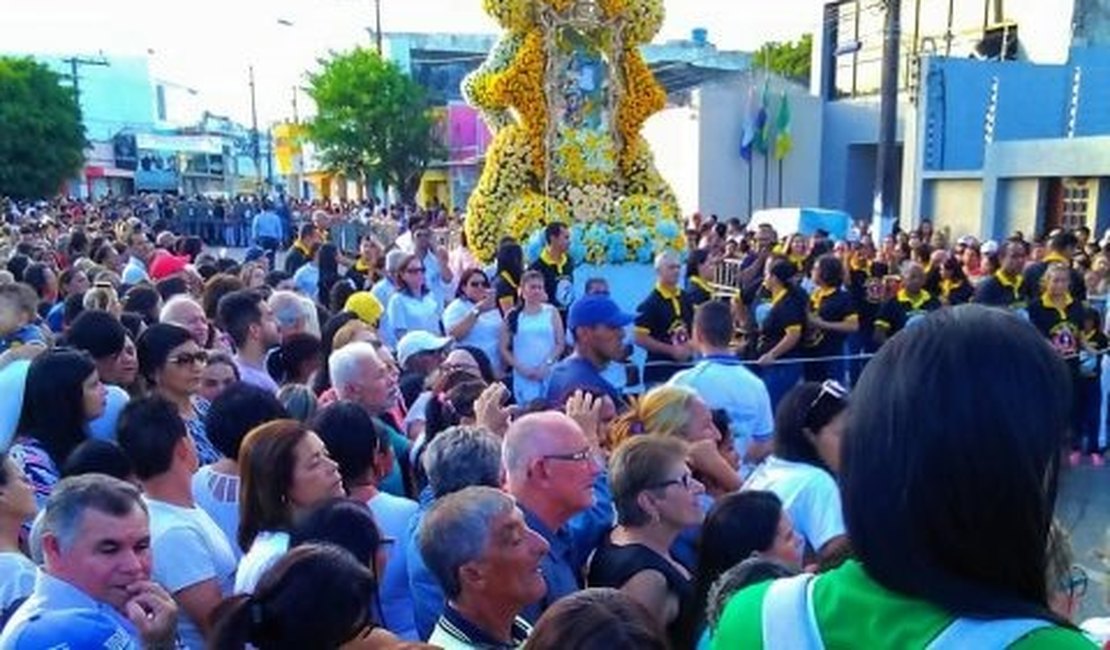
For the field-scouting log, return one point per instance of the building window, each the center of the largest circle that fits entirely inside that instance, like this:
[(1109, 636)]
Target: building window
[(1076, 202)]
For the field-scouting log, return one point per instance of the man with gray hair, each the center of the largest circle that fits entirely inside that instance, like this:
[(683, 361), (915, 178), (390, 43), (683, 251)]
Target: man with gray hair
[(95, 588), (384, 289), (555, 472), (664, 321), (487, 560), (457, 458), (295, 314), (359, 376), (183, 311)]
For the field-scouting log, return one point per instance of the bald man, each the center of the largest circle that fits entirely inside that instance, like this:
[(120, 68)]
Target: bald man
[(556, 473), (185, 312)]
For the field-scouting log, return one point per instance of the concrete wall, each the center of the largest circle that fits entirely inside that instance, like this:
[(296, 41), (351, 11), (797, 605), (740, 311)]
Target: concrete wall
[(723, 182), (1019, 206), (953, 204)]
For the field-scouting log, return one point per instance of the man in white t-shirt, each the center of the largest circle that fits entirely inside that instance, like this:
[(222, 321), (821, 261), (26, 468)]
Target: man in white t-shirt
[(193, 558), (723, 382)]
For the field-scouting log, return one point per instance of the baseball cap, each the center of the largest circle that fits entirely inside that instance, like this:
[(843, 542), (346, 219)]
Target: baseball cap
[(989, 247), (73, 628), (364, 305), (165, 265), (595, 310), (417, 342)]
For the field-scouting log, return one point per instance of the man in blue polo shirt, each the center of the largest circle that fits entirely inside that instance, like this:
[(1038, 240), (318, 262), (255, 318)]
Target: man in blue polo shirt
[(598, 327)]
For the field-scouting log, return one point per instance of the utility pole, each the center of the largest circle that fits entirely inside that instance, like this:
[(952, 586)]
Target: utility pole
[(887, 160), (378, 25), (75, 76), (256, 153)]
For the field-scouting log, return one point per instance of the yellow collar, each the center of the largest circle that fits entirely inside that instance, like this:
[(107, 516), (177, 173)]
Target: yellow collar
[(701, 284), (819, 296), (360, 266), (1053, 256), (299, 245), (545, 256), (509, 280), (669, 294), (947, 286), (778, 296), (1014, 284), (1062, 310), (915, 302)]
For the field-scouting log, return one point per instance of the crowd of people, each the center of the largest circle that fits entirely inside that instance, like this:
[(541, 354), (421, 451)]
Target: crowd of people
[(386, 444)]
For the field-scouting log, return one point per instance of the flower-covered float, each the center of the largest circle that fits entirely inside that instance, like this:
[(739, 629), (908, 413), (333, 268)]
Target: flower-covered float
[(566, 92)]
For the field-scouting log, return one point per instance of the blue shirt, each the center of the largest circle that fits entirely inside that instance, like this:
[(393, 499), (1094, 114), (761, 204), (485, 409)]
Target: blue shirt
[(53, 596), (134, 272), (574, 373), (23, 336), (266, 224), (427, 595), (570, 547)]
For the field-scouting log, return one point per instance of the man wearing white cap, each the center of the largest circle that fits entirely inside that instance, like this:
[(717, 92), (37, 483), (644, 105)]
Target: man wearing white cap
[(419, 354)]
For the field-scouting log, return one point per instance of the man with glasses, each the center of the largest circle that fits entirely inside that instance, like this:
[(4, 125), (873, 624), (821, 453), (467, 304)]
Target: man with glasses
[(555, 472)]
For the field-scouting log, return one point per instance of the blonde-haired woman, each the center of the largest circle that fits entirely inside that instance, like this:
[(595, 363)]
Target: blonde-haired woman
[(678, 412), (102, 297)]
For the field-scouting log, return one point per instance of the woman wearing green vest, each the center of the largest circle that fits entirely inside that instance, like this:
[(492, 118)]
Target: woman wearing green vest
[(949, 469)]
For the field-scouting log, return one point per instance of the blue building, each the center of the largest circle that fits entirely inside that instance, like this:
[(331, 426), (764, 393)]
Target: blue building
[(1004, 112)]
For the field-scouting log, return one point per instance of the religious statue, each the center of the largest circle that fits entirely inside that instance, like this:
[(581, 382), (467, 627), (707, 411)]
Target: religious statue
[(565, 93)]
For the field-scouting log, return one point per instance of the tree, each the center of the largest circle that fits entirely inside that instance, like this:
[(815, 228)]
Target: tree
[(42, 139), (791, 59), (372, 121)]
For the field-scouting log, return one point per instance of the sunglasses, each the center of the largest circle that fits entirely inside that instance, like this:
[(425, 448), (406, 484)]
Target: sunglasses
[(186, 358), (479, 284), (414, 271)]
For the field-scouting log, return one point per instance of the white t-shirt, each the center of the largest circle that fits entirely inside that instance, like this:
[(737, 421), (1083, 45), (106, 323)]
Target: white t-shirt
[(265, 551), (393, 514), (725, 384), (188, 548), (18, 579), (218, 495), (383, 291), (486, 333), (409, 314), (809, 495)]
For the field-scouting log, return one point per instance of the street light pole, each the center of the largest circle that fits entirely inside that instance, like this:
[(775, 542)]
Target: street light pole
[(887, 159), (256, 153), (378, 25)]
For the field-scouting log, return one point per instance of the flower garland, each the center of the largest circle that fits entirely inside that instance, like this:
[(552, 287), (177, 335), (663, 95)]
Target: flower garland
[(620, 208)]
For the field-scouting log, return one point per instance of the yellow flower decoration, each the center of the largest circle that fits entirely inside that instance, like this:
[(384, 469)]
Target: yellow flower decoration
[(513, 15), (532, 212), (521, 86)]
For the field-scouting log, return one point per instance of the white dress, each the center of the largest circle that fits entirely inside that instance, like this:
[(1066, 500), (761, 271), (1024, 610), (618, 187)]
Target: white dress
[(533, 344), (485, 335)]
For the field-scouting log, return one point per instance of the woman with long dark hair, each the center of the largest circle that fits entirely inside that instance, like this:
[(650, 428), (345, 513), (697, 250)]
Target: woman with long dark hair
[(62, 395), (928, 547)]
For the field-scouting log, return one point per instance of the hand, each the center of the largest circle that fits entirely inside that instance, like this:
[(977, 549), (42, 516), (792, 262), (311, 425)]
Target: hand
[(585, 409), (441, 255), (703, 456), (766, 360), (490, 411), (682, 352), (153, 613), (815, 320), (489, 304)]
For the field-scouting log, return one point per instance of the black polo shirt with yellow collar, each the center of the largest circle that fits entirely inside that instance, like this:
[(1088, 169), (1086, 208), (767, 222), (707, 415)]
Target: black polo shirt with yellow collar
[(507, 292), (1000, 290), (866, 286), (558, 279), (833, 305), (1061, 325), (1077, 286), (955, 292), (698, 291), (667, 316), (905, 310), (786, 316)]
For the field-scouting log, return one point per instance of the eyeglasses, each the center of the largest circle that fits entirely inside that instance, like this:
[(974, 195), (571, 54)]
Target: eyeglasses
[(186, 358), (1075, 583), (414, 271), (576, 457), (686, 481), (481, 284)]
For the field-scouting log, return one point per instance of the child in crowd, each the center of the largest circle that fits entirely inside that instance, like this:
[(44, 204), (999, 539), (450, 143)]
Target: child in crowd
[(20, 338)]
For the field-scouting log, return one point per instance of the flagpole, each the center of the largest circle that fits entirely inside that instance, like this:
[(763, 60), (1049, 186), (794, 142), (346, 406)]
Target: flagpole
[(766, 175), (780, 182), (751, 208)]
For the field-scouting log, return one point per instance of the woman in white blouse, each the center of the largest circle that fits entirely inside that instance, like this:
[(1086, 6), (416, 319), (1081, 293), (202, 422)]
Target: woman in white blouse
[(414, 307), (473, 317)]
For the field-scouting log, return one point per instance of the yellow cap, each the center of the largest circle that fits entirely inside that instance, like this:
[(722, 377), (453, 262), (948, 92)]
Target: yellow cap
[(366, 306)]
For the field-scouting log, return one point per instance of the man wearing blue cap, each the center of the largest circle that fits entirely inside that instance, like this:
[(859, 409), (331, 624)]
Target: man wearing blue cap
[(598, 327)]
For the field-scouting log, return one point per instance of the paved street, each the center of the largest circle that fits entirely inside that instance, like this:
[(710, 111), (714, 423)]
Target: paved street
[(1084, 507)]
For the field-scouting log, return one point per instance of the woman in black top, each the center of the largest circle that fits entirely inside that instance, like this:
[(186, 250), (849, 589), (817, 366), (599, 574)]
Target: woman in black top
[(699, 272), (832, 317), (656, 497), (953, 287), (780, 334), (510, 266)]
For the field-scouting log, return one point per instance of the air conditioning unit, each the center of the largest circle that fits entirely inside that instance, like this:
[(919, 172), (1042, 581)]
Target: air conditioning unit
[(999, 43)]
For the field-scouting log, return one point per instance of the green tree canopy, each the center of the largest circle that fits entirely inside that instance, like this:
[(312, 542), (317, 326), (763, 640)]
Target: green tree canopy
[(372, 121), (42, 139), (790, 59)]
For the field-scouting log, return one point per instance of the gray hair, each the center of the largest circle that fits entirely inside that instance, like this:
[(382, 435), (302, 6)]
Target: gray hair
[(290, 306), (456, 531), (393, 261), (462, 457), (73, 496), (665, 258), (345, 364), (526, 438), (168, 315)]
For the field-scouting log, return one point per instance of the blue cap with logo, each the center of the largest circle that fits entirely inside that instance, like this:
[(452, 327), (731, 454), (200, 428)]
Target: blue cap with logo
[(595, 310)]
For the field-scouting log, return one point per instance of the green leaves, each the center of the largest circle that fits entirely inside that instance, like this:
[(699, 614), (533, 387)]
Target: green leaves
[(42, 140), (790, 59), (372, 120)]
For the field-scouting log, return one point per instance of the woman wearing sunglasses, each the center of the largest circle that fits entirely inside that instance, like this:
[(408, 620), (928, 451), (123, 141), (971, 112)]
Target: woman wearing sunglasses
[(802, 469), (172, 364), (473, 317), (656, 498), (414, 306)]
